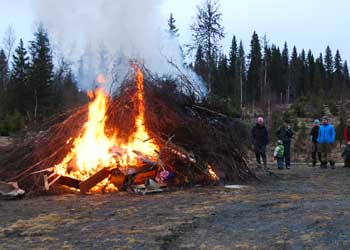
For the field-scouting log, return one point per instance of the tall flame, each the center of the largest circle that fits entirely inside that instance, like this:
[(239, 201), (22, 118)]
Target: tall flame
[(93, 149)]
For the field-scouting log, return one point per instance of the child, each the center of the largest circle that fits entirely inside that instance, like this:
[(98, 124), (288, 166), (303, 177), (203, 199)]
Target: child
[(279, 154), (346, 155)]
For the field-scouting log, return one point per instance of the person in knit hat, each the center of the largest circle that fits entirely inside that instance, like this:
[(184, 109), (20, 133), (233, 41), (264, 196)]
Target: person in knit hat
[(259, 140), (315, 149), (285, 134), (278, 154), (346, 155)]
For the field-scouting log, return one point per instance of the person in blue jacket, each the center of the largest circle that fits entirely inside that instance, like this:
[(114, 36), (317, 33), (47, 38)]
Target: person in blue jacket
[(326, 138)]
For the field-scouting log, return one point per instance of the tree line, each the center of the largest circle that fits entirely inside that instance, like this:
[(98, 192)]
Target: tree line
[(31, 88), (266, 74)]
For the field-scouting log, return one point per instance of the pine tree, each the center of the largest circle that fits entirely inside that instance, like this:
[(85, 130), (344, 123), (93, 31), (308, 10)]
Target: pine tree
[(303, 84), (41, 75), (19, 80), (346, 71), (172, 26), (319, 82), (207, 31), (254, 70)]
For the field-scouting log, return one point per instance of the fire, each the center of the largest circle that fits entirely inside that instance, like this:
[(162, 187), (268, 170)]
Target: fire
[(93, 150), (213, 175)]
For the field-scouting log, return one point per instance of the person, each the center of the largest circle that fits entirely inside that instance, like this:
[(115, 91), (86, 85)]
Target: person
[(260, 139), (314, 135), (346, 155), (326, 138), (278, 154), (346, 132), (285, 134)]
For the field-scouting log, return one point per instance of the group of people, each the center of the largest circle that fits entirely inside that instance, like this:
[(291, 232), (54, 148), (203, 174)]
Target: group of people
[(260, 140), (322, 136)]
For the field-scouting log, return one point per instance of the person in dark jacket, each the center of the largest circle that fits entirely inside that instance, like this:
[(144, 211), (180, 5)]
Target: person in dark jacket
[(326, 139), (346, 155), (314, 135), (285, 134), (260, 139)]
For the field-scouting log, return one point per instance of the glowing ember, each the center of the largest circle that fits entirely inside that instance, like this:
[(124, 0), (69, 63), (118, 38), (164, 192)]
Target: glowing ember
[(212, 173), (93, 149)]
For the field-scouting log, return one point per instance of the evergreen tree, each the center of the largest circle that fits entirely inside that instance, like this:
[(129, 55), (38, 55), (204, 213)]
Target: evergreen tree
[(254, 70), (4, 77), (41, 75), (241, 67), (285, 68), (329, 69), (338, 67), (207, 33), (200, 66), (319, 83), (19, 91), (172, 26), (303, 84), (346, 71), (233, 69), (311, 70), (276, 72), (294, 75)]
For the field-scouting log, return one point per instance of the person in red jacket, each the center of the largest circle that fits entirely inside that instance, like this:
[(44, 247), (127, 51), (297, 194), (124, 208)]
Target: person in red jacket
[(347, 131)]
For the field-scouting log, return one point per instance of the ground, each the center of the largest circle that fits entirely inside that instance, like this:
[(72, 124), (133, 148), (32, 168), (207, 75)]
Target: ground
[(302, 208)]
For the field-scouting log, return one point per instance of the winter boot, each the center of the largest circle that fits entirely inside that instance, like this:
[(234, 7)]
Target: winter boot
[(314, 163), (332, 163)]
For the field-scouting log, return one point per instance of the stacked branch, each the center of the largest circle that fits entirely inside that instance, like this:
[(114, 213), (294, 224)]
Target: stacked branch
[(200, 137)]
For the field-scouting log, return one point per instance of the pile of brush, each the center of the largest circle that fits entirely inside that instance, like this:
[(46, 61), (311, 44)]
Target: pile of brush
[(191, 137)]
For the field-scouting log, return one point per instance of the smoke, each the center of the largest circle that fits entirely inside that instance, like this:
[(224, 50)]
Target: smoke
[(100, 36)]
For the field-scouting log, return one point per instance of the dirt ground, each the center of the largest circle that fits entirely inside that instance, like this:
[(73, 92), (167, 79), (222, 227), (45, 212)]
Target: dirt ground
[(302, 208)]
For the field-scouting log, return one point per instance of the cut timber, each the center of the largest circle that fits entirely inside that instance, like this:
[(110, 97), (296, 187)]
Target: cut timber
[(86, 185), (69, 182)]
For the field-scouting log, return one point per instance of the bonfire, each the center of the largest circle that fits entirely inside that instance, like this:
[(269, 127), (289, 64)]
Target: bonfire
[(148, 132)]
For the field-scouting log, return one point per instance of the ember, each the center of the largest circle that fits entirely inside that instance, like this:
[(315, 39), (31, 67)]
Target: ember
[(146, 131)]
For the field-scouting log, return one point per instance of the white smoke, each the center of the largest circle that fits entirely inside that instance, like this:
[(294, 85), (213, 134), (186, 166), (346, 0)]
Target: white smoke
[(99, 36)]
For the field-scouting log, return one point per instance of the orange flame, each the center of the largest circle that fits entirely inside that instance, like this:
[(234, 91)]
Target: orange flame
[(93, 149), (213, 175)]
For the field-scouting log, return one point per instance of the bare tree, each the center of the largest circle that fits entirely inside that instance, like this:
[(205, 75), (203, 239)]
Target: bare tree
[(9, 42), (207, 32)]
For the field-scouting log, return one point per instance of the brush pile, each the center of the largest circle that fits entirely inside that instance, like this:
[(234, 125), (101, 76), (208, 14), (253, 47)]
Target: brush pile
[(194, 140)]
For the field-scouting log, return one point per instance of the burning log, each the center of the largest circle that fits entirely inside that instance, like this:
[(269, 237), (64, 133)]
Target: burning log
[(86, 185)]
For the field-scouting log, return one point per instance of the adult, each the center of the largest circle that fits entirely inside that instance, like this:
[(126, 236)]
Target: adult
[(326, 138), (314, 136), (260, 139), (347, 131), (285, 134)]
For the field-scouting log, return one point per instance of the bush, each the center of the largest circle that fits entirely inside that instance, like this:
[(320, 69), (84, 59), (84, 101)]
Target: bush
[(12, 123), (299, 107)]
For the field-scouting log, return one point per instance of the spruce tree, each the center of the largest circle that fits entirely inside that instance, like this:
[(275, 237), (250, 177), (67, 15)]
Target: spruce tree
[(285, 68), (294, 75), (329, 69), (41, 75), (241, 67), (311, 69), (200, 66), (254, 70), (233, 69), (4, 77), (172, 26), (20, 96)]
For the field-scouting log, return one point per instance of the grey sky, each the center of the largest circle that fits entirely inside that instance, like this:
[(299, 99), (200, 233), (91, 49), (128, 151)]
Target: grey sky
[(304, 23)]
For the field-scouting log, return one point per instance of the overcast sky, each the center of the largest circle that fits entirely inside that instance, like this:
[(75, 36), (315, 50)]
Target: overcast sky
[(305, 23)]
